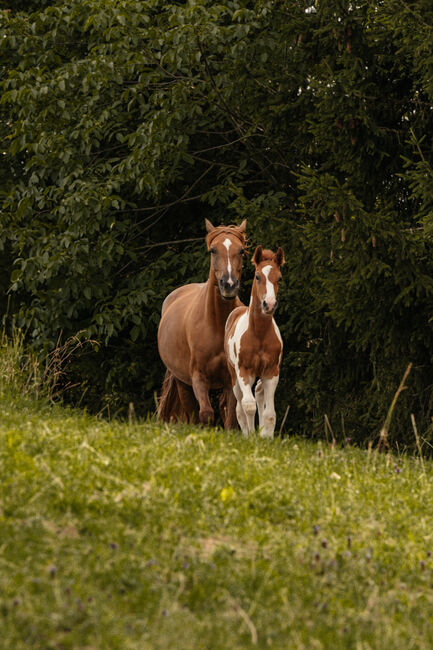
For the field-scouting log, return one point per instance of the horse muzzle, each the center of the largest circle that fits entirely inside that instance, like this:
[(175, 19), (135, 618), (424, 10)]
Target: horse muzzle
[(229, 289), (269, 309)]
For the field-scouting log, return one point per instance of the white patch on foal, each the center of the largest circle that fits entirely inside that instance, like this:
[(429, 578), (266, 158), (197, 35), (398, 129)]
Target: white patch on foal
[(235, 341), (246, 404), (227, 243), (277, 332), (270, 290)]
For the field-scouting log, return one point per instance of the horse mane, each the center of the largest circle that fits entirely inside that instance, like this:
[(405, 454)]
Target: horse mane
[(227, 230), (267, 256)]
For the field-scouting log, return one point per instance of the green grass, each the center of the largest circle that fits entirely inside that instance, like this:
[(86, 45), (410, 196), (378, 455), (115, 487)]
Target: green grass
[(147, 536)]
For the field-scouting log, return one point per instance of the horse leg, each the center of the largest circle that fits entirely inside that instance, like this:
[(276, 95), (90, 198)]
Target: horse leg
[(259, 394), (247, 401), (188, 401), (269, 387), (200, 387), (240, 413), (228, 408)]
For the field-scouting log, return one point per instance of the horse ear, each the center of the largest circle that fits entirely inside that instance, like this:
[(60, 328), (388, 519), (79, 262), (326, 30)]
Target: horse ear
[(209, 226), (243, 226), (257, 255), (279, 256)]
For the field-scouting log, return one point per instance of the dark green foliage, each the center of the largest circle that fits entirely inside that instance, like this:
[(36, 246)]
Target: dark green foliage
[(124, 123)]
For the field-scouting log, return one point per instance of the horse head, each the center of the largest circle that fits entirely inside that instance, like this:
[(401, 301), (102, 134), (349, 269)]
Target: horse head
[(267, 277), (226, 245)]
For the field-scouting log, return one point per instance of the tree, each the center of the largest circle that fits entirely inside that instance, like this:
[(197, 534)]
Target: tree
[(126, 122)]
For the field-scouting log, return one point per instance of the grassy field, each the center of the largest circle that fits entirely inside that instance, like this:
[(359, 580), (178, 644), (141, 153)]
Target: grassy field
[(148, 536)]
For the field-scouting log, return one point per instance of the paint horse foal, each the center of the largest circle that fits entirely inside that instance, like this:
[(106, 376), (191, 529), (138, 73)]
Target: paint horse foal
[(254, 346), (191, 334)]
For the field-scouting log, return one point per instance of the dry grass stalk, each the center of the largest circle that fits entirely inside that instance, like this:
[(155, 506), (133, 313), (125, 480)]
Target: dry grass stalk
[(383, 436)]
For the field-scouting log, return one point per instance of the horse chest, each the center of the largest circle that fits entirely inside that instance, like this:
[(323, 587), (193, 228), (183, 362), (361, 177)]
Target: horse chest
[(260, 357), (217, 369)]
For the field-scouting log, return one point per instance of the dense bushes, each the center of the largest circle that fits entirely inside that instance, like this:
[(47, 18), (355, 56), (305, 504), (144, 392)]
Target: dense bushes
[(124, 123)]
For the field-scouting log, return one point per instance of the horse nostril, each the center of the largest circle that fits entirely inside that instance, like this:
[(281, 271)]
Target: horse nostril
[(229, 284), (265, 305)]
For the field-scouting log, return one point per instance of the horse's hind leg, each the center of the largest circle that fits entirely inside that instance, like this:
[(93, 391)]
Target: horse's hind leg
[(228, 408), (200, 387), (188, 401), (259, 394)]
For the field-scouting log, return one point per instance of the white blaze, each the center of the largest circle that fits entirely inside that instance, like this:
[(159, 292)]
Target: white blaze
[(227, 243), (270, 291)]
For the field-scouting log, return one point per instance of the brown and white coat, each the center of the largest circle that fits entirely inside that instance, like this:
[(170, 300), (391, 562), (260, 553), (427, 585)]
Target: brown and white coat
[(254, 347)]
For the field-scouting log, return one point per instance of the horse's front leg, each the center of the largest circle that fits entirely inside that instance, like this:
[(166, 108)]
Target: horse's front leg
[(240, 413), (188, 401), (269, 418), (247, 400), (200, 386)]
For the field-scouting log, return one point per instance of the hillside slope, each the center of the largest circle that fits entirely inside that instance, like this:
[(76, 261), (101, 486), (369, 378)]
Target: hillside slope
[(148, 536)]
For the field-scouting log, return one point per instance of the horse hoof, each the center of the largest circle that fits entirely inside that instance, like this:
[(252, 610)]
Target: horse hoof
[(207, 417)]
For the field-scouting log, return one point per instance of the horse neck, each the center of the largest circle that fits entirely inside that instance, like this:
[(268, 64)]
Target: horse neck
[(216, 308), (259, 322)]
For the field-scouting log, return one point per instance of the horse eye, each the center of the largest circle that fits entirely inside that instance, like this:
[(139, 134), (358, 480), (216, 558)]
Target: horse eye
[(257, 277), (213, 251)]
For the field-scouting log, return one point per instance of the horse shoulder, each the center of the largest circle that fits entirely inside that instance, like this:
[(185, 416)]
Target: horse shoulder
[(233, 317), (187, 291), (236, 326), (278, 336), (272, 354)]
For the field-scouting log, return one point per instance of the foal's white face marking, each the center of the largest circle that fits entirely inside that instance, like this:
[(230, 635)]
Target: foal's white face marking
[(227, 243), (270, 296)]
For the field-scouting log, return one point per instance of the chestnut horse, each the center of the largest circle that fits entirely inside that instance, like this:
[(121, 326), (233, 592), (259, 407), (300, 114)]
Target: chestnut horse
[(191, 334), (254, 347)]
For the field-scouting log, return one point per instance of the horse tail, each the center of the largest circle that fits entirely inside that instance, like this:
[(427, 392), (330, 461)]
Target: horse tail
[(169, 406)]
